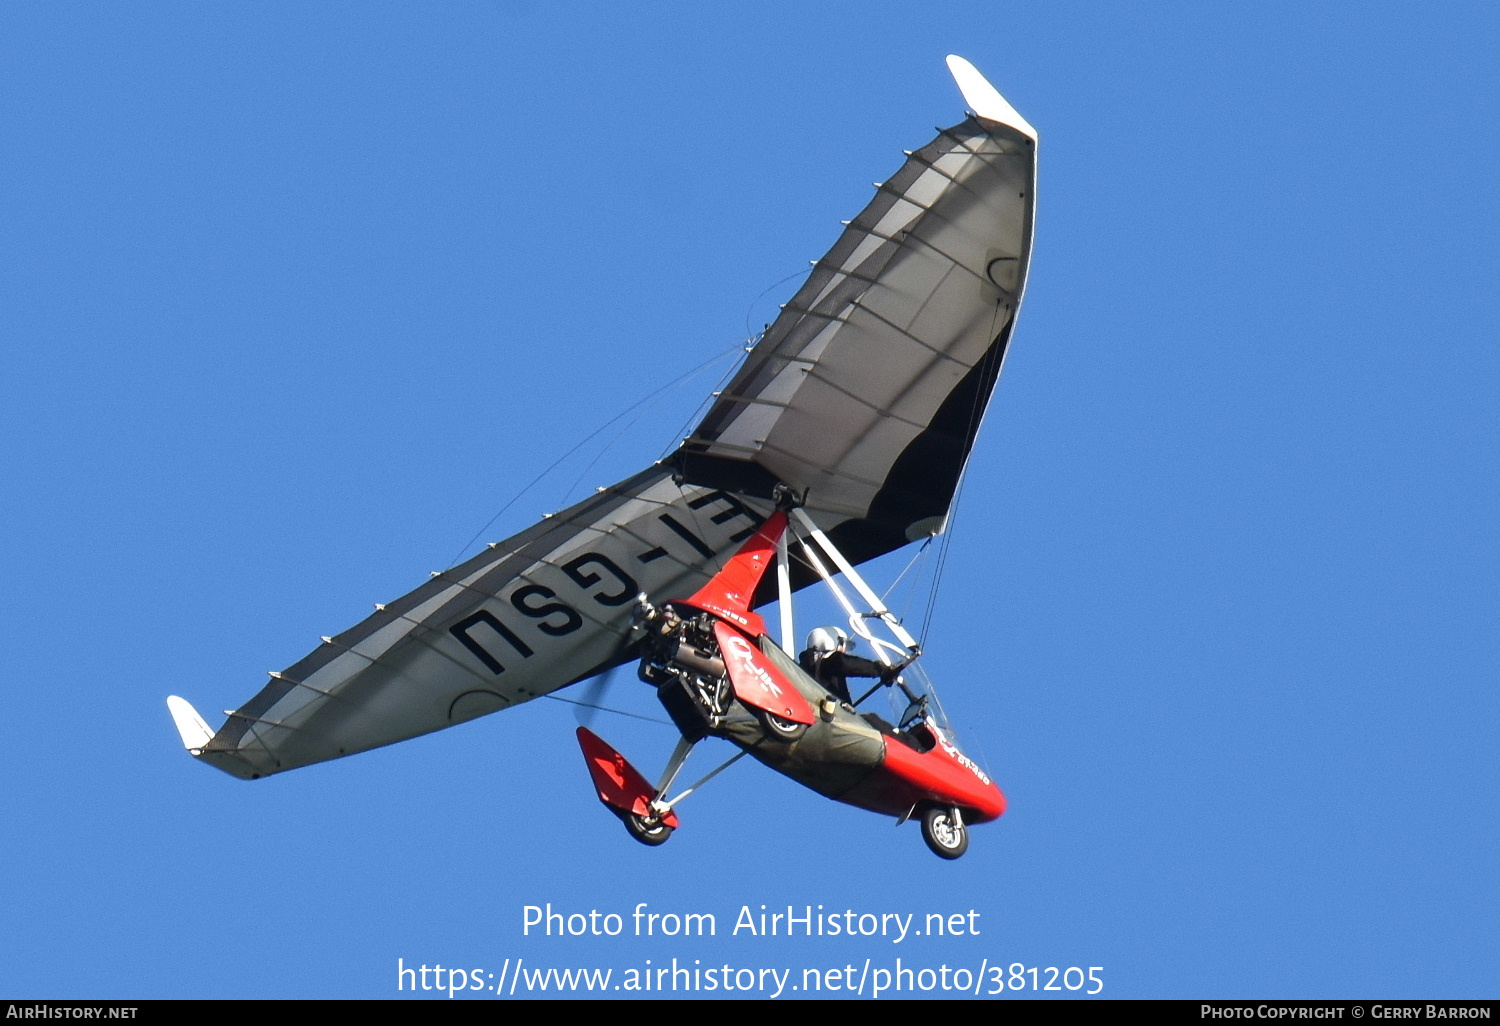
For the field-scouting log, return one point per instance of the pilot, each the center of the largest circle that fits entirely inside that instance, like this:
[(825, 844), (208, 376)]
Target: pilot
[(827, 661)]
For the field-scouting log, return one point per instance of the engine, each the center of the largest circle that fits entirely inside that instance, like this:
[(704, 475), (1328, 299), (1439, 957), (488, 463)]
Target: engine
[(680, 657)]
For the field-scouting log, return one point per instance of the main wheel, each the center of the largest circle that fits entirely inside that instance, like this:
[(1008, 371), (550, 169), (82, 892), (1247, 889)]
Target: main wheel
[(944, 831), (780, 729), (651, 832)]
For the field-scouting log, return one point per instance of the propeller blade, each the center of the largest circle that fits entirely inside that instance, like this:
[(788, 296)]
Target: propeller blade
[(592, 698), (593, 695)]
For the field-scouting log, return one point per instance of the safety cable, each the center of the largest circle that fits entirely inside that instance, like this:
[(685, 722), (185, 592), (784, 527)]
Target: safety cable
[(801, 272)]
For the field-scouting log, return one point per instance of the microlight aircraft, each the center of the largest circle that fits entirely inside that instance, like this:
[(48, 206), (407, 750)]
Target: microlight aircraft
[(841, 437)]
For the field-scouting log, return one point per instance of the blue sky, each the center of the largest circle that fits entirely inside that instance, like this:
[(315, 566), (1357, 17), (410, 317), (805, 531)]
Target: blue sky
[(293, 299)]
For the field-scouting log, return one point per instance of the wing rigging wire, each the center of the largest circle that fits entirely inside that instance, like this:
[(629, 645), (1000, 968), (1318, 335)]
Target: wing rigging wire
[(697, 414), (640, 407), (605, 708), (920, 560), (702, 407), (976, 415), (753, 339), (645, 408), (651, 399)]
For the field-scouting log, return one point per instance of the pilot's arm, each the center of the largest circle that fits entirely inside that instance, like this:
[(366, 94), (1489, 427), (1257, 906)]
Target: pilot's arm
[(858, 666)]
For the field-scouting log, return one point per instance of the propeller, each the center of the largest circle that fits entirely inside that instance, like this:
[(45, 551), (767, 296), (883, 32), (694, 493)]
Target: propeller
[(592, 699)]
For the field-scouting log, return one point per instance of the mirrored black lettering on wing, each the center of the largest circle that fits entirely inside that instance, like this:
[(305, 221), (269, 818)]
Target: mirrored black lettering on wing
[(462, 631), (686, 535), (574, 568), (734, 508), (522, 599)]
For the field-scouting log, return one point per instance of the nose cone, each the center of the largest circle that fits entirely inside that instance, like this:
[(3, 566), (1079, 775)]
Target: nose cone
[(991, 807)]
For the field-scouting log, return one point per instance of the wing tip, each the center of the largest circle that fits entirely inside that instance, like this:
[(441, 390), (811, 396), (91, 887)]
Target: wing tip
[(984, 99), (195, 733)]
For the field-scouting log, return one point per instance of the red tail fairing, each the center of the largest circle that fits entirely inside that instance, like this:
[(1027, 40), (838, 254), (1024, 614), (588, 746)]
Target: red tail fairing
[(619, 784)]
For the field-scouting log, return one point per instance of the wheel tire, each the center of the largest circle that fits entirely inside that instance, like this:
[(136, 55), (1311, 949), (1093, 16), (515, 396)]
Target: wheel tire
[(780, 729), (944, 832), (650, 832)]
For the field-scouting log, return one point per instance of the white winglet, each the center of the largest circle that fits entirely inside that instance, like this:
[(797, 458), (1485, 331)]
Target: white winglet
[(195, 733), (983, 99)]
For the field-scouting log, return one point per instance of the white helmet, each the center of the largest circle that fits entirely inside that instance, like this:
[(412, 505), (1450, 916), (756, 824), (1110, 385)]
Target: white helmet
[(827, 640)]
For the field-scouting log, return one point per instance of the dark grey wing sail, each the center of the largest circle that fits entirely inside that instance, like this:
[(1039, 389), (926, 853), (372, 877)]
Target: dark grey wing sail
[(864, 397), (527, 616)]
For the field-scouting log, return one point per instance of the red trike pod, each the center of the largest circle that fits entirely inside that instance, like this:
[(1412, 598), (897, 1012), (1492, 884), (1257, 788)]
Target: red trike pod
[(922, 768)]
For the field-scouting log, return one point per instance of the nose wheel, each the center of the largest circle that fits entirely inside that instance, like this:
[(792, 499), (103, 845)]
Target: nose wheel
[(944, 831)]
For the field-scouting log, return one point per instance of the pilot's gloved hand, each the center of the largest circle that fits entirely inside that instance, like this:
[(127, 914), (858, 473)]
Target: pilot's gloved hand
[(893, 672)]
